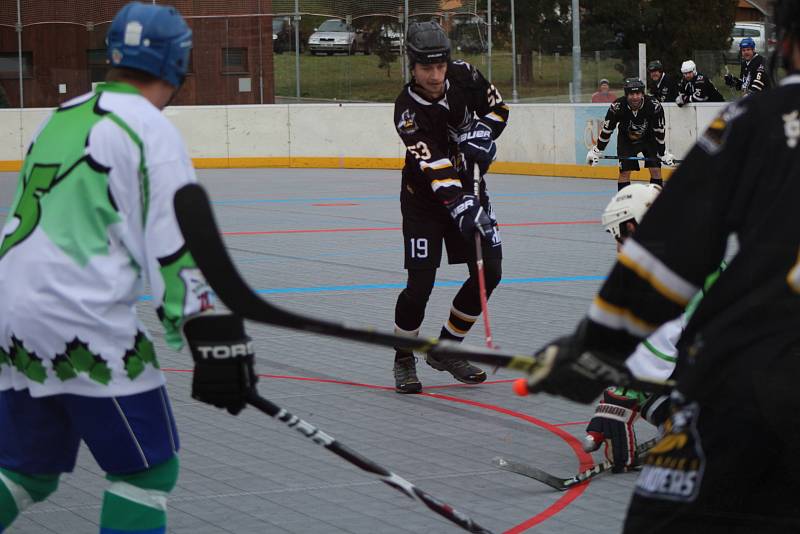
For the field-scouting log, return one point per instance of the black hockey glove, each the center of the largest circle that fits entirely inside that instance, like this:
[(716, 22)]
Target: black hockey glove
[(477, 147), (732, 81), (572, 372), (470, 216), (612, 426), (223, 360)]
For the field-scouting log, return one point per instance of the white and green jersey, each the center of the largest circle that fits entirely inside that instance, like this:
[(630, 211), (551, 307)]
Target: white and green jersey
[(91, 218)]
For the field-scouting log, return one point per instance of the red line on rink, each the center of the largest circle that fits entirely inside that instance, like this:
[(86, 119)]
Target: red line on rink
[(394, 228), (569, 496)]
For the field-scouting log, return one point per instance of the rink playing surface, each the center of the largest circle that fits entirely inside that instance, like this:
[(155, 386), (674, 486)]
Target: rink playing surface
[(328, 243)]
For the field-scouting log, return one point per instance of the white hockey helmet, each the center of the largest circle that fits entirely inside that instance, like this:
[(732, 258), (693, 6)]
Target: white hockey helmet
[(629, 204), (688, 66)]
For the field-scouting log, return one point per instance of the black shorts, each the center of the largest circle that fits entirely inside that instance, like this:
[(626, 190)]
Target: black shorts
[(424, 229), (648, 148)]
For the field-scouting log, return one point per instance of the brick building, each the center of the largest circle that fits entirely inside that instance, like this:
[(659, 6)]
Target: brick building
[(63, 50)]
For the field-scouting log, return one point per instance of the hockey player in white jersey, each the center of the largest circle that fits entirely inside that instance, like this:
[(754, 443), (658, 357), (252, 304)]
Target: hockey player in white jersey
[(91, 219), (654, 358)]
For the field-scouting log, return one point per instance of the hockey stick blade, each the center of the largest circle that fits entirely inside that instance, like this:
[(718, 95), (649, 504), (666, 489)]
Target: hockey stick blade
[(203, 239), (365, 464), (563, 484)]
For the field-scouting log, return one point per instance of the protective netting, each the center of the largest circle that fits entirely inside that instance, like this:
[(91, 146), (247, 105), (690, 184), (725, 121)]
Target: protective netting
[(99, 11)]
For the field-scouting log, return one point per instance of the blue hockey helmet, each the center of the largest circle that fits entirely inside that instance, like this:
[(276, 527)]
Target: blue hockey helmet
[(747, 42), (151, 38)]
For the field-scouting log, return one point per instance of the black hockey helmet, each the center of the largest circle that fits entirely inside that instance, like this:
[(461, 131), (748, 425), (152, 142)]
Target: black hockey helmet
[(633, 85), (427, 43), (655, 65)]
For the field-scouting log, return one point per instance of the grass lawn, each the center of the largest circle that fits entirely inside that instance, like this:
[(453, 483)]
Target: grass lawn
[(358, 78)]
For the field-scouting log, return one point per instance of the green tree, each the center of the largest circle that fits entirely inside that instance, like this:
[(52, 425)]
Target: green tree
[(672, 29)]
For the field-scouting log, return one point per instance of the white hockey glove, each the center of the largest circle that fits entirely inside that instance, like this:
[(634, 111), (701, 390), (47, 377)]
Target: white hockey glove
[(668, 159), (681, 100), (593, 156)]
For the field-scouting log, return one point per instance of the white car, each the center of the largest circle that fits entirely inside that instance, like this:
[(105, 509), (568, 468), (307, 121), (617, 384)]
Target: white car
[(754, 30), (335, 35)]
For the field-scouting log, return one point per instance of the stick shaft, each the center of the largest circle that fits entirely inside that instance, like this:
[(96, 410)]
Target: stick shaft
[(479, 267), (365, 464)]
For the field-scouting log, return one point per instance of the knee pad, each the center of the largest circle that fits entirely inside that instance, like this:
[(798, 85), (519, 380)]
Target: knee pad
[(492, 272), (161, 478), (137, 502), (420, 284), (28, 489)]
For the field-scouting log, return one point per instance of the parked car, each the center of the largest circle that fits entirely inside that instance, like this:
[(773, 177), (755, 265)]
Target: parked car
[(335, 35), (283, 35), (754, 30), (393, 35)]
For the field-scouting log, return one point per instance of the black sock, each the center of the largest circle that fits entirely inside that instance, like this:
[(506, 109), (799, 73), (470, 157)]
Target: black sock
[(620, 185), (657, 181)]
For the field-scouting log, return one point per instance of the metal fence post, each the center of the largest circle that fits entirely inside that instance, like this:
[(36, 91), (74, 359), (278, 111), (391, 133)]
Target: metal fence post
[(576, 51), (514, 94), (489, 39), (297, 48), (19, 54)]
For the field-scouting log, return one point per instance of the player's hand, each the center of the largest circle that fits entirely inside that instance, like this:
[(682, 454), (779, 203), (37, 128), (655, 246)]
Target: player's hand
[(470, 217), (477, 146), (667, 159), (681, 100), (223, 360), (593, 156), (612, 426), (730, 81), (567, 369)]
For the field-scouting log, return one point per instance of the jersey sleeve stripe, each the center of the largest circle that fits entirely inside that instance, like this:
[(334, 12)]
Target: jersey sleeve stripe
[(495, 117), (618, 318), (436, 165), (663, 279), (450, 182)]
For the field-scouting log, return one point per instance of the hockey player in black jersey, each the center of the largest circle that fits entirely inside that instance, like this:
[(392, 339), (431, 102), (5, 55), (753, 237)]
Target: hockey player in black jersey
[(728, 460), (753, 77), (661, 85), (448, 117), (695, 86), (640, 119)]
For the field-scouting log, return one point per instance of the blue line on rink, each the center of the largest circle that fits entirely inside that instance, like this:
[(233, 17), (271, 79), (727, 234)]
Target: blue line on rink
[(397, 196), (368, 287)]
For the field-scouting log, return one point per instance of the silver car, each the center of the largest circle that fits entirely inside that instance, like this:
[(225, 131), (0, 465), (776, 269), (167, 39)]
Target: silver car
[(754, 30), (335, 35)]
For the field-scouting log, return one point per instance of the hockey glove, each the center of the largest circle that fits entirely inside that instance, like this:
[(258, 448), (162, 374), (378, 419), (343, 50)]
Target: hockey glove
[(667, 159), (612, 426), (682, 100), (593, 156), (223, 360), (477, 147), (732, 81), (567, 369), (470, 216)]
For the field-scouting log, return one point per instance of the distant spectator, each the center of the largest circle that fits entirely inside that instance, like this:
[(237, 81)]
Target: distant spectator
[(3, 98), (603, 95)]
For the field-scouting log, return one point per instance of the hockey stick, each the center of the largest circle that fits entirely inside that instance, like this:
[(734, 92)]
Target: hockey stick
[(196, 220), (476, 180), (563, 484), (637, 158), (342, 451)]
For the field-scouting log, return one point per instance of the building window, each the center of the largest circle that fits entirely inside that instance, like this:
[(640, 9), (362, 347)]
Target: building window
[(234, 61), (98, 66), (9, 65)]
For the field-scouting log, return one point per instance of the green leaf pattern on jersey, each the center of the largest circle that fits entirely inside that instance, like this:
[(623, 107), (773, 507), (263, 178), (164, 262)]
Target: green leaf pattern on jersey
[(176, 271), (27, 362), (79, 359), (139, 356), (64, 191)]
